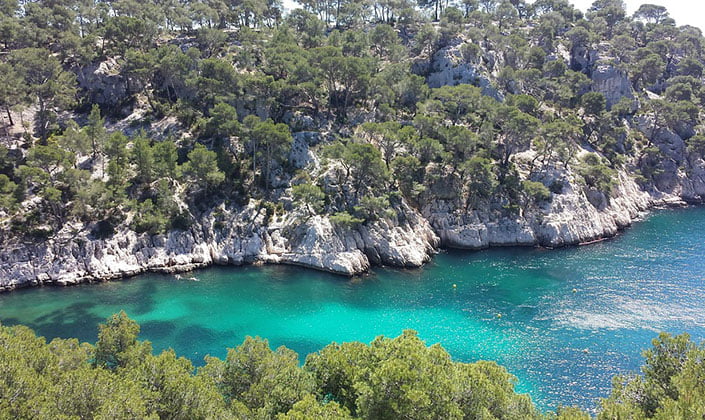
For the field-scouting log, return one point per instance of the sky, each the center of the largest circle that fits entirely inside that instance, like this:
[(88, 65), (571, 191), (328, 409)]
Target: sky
[(685, 12)]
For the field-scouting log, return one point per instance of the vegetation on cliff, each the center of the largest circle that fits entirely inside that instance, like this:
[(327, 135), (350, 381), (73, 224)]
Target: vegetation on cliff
[(143, 115), (120, 377)]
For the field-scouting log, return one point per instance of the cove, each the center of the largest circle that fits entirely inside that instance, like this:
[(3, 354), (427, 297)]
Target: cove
[(563, 345)]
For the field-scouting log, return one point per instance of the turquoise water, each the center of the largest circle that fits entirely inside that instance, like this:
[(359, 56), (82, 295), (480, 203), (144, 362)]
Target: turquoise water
[(649, 279)]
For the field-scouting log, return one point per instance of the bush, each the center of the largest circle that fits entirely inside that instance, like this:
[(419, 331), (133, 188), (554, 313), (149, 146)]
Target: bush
[(402, 378), (7, 193), (271, 209), (148, 218), (556, 187), (310, 196), (345, 220), (536, 191), (596, 174), (470, 52), (181, 221), (696, 144), (372, 208), (103, 229)]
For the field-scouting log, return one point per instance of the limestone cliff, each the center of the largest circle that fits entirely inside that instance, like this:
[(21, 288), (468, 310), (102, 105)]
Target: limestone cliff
[(569, 218), (234, 237), (222, 236)]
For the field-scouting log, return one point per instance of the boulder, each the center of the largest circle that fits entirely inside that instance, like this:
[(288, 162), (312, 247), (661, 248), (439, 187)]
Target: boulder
[(108, 87), (300, 155), (449, 68), (613, 83)]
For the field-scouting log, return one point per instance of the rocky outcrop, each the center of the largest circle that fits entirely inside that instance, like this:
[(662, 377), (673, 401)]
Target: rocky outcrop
[(569, 218), (605, 73), (300, 155), (108, 87), (612, 82), (224, 236), (243, 236), (680, 173), (448, 67)]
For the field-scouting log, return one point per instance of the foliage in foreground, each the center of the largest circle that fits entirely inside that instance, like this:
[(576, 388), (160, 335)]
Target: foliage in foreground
[(396, 378)]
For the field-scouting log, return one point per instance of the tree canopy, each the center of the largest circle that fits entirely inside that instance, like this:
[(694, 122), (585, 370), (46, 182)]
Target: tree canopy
[(402, 377)]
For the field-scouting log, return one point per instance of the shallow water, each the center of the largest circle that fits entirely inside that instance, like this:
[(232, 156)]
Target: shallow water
[(564, 346)]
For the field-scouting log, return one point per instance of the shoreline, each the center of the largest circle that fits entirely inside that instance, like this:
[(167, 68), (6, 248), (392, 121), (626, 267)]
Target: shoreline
[(190, 267)]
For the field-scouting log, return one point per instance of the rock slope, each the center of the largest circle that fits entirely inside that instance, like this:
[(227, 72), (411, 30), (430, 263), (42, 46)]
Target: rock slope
[(570, 218)]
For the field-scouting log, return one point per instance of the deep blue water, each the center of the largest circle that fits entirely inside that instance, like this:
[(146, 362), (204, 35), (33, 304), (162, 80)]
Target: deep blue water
[(563, 345)]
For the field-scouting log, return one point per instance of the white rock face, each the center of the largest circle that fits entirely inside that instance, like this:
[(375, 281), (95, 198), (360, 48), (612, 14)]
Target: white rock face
[(449, 68), (300, 154), (568, 219), (682, 173), (611, 82), (104, 79), (242, 237), (607, 78), (236, 238)]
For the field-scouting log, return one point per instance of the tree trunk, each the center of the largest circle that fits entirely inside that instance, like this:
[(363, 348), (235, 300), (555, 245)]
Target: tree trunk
[(254, 161), (43, 123), (269, 162), (7, 132), (654, 127)]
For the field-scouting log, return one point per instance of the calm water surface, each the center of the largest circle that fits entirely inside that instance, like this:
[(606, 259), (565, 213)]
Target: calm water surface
[(650, 279)]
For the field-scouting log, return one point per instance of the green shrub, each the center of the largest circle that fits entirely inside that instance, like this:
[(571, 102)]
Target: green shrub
[(596, 173), (536, 190), (150, 219), (345, 220)]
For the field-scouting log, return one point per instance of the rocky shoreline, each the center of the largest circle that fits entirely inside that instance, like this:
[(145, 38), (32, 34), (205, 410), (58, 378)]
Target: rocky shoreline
[(228, 237)]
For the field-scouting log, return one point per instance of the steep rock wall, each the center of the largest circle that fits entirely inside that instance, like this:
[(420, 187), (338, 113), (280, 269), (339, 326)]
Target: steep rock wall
[(236, 237), (569, 218)]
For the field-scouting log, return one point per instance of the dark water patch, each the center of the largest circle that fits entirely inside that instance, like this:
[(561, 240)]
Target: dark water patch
[(145, 303), (196, 341), (158, 330), (72, 321)]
